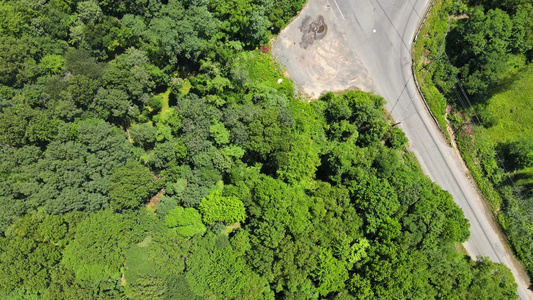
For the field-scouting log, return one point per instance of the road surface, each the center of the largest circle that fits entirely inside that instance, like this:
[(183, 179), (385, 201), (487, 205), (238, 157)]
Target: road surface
[(380, 32)]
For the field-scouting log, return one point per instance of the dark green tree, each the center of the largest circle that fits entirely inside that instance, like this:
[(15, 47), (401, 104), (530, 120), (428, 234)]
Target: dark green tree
[(520, 153), (130, 186)]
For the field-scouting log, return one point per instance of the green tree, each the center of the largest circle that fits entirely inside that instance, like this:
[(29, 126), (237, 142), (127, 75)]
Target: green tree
[(396, 139), (89, 11), (216, 207), (97, 251), (330, 273), (111, 104), (27, 263), (491, 280), (243, 20), (16, 56), (82, 89), (482, 44), (186, 221), (303, 160), (143, 135), (520, 153), (268, 138), (42, 129), (13, 125), (217, 269), (130, 186), (80, 62), (220, 133), (183, 33), (147, 288), (52, 63)]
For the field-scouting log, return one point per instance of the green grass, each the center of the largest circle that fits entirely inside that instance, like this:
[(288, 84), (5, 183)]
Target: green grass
[(166, 110), (513, 108), (164, 102), (229, 229), (185, 88), (426, 52), (146, 242), (137, 264), (469, 147), (258, 67)]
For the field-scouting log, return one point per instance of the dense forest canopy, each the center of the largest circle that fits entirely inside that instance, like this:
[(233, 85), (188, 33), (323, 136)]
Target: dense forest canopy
[(148, 151)]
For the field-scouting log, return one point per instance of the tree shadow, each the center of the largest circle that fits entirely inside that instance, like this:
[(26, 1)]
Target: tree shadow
[(172, 100), (506, 83)]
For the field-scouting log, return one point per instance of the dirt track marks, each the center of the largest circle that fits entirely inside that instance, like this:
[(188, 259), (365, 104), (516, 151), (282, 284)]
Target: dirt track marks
[(316, 56), (315, 30)]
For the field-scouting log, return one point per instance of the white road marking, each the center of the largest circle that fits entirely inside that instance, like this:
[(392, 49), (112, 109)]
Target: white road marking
[(339, 10)]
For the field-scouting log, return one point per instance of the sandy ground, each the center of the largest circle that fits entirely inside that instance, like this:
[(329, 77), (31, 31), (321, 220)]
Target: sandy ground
[(318, 60)]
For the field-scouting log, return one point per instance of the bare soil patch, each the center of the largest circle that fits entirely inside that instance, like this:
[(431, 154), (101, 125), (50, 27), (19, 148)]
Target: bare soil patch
[(312, 30), (315, 56), (155, 200)]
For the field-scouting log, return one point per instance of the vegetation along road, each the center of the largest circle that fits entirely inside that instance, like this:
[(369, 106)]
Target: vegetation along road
[(381, 34)]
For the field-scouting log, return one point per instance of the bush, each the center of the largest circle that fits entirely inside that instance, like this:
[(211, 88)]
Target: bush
[(520, 153), (487, 118)]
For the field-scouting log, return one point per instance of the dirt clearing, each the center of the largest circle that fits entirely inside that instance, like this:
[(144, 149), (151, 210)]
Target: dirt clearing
[(315, 54)]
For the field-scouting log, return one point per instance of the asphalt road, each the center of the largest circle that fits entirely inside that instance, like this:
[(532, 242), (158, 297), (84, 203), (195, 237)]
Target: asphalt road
[(381, 33)]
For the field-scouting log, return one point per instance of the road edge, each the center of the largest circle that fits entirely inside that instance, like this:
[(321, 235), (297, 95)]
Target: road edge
[(516, 264)]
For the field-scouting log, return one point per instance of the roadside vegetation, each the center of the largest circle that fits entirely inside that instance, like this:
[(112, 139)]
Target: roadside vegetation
[(483, 71), (149, 151)]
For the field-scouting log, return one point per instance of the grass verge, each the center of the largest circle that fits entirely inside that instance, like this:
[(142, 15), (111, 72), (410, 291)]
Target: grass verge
[(426, 54)]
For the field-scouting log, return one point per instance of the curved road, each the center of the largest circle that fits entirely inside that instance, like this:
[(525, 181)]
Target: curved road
[(381, 33)]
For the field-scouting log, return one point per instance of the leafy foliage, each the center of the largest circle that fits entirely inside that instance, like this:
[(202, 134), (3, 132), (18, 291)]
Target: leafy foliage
[(104, 103), (216, 207), (129, 186), (187, 221), (482, 45)]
